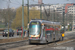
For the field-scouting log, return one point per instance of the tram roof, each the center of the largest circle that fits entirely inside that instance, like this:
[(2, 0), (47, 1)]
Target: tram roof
[(46, 22)]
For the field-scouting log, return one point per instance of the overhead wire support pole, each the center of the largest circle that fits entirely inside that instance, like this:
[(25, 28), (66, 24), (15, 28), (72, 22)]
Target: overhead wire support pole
[(46, 12), (40, 11), (63, 21), (28, 9), (54, 15), (23, 17), (49, 10), (8, 17)]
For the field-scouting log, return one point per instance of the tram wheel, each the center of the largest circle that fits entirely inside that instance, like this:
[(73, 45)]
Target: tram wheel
[(54, 40), (29, 42), (46, 41)]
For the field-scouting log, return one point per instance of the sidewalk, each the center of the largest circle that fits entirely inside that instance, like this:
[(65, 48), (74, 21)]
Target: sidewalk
[(65, 41), (69, 31)]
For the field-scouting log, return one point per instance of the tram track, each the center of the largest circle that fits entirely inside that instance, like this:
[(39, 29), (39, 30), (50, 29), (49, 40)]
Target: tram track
[(31, 47), (22, 45), (19, 44), (13, 44)]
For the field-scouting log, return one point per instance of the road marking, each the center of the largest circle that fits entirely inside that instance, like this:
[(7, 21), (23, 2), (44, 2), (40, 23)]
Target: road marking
[(61, 47)]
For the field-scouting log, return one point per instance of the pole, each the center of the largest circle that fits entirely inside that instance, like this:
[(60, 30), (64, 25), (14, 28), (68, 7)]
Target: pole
[(54, 15), (8, 17), (57, 17), (49, 11), (28, 9), (53, 22), (40, 12), (63, 21), (23, 17)]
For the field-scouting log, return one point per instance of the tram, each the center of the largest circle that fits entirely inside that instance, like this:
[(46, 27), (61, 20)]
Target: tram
[(42, 31)]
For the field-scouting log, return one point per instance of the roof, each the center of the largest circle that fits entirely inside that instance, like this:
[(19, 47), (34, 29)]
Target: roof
[(46, 22)]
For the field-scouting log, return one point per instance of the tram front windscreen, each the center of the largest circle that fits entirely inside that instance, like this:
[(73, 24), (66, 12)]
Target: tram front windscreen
[(34, 28)]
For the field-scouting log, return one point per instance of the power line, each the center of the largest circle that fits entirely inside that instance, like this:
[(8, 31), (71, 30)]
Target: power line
[(11, 2), (35, 1), (17, 1), (32, 1)]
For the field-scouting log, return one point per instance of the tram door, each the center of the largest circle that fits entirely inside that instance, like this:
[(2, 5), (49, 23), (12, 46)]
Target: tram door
[(49, 35), (53, 35)]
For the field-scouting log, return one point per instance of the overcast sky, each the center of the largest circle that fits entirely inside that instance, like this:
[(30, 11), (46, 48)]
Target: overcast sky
[(18, 3)]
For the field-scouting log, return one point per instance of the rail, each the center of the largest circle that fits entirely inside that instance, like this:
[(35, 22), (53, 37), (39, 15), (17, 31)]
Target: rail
[(13, 44)]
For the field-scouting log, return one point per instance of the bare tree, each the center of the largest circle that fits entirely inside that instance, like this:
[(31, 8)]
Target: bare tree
[(4, 15)]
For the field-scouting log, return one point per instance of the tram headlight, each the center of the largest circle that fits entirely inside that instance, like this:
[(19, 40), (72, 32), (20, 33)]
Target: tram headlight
[(34, 36)]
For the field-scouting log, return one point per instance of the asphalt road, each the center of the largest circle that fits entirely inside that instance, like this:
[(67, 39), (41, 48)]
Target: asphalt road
[(15, 36)]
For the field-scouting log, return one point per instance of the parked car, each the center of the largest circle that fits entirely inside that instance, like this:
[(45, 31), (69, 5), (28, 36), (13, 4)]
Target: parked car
[(19, 31), (5, 32)]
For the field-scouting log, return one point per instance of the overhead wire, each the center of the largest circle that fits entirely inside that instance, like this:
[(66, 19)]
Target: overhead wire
[(44, 9), (12, 2), (17, 1), (35, 1)]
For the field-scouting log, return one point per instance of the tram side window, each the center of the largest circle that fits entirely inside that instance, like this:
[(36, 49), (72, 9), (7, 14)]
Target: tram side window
[(48, 32), (51, 33), (56, 29), (44, 32)]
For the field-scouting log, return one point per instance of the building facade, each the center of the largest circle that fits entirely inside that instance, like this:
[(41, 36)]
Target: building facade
[(71, 10)]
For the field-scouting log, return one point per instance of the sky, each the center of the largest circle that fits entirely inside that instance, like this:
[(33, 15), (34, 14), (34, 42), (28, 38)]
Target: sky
[(18, 3)]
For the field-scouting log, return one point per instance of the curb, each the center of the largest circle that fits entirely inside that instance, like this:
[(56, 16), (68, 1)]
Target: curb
[(64, 42)]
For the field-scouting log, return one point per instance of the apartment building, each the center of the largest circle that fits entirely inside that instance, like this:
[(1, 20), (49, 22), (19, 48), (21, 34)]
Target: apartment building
[(71, 10)]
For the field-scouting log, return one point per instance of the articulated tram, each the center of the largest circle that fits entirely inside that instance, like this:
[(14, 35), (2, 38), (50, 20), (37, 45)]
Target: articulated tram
[(42, 31)]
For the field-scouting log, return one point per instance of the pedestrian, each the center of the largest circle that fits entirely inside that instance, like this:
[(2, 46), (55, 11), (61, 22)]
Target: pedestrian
[(62, 36), (28, 32)]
